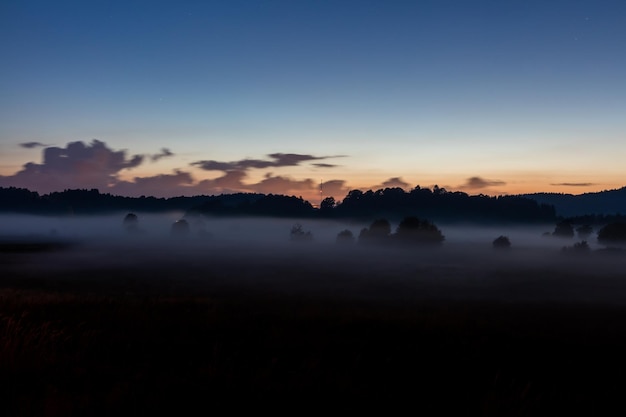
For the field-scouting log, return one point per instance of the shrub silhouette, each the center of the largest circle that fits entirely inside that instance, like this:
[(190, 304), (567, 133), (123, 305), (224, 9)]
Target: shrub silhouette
[(584, 231), (180, 228), (613, 233), (581, 247), (131, 223), (563, 229), (378, 232), (412, 230), (345, 237), (297, 234), (501, 242)]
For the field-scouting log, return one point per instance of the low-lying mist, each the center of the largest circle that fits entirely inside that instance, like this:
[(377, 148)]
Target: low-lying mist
[(257, 254)]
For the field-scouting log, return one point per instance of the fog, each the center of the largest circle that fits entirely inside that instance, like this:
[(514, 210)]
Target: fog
[(256, 254)]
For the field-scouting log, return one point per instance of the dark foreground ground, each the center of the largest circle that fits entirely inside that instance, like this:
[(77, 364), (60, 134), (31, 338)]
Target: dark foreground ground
[(198, 331)]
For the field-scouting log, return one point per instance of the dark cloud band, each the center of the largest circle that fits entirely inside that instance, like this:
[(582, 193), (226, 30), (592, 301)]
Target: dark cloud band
[(276, 160), (574, 184), (31, 145), (474, 183)]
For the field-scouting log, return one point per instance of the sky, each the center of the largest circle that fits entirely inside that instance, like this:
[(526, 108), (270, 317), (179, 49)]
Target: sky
[(205, 97)]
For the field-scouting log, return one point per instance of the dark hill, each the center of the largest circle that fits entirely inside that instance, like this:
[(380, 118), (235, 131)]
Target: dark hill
[(568, 205)]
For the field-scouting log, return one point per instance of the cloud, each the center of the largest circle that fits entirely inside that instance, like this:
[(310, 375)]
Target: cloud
[(230, 182), (393, 183), (293, 159), (165, 153), (474, 183), (163, 185), (283, 185), (211, 165), (78, 165), (31, 145), (335, 188), (276, 160), (181, 183), (322, 165), (574, 184), (95, 165)]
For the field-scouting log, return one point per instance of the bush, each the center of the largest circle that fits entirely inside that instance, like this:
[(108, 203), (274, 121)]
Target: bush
[(501, 242), (412, 230), (297, 234), (180, 228), (563, 229), (378, 232), (578, 248), (345, 236), (131, 223), (613, 233), (584, 231)]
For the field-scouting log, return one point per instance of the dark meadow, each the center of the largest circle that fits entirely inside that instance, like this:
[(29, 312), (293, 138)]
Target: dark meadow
[(166, 312)]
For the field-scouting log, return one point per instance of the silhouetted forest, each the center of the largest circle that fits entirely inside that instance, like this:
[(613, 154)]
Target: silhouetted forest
[(436, 204), (608, 202), (20, 200), (440, 205)]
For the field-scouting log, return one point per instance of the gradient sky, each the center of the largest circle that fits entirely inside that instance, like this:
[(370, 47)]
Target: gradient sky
[(482, 96)]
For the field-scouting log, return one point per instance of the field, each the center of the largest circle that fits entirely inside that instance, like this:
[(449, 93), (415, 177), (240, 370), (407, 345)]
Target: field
[(143, 328)]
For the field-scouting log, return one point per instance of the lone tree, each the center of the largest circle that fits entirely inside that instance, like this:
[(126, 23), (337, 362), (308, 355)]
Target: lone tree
[(180, 228), (501, 242), (579, 248), (131, 223), (412, 230), (613, 233), (345, 237), (584, 231), (378, 232), (297, 234), (563, 229)]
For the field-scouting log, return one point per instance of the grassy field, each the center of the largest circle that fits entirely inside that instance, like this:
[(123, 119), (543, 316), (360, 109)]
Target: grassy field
[(145, 338)]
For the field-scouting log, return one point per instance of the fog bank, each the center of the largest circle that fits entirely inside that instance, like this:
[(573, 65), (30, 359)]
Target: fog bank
[(244, 254)]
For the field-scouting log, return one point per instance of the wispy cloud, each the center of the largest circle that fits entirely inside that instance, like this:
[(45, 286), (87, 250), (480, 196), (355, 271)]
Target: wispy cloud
[(474, 183), (574, 184), (323, 165), (164, 153), (395, 182), (276, 160), (31, 145)]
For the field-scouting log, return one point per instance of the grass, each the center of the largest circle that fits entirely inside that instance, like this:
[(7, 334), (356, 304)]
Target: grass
[(80, 354), (120, 339)]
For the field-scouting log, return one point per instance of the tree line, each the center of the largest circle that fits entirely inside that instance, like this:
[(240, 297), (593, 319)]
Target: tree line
[(392, 203)]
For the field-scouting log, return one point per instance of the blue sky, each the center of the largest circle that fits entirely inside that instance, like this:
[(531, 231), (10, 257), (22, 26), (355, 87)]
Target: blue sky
[(524, 94)]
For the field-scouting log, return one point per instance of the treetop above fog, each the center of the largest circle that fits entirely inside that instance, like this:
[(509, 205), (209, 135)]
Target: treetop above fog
[(410, 231), (613, 233)]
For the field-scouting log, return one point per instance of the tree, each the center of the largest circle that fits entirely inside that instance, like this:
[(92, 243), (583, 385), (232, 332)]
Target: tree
[(563, 229), (584, 231), (327, 204), (380, 228), (297, 234), (378, 232), (345, 237), (131, 223), (412, 230), (180, 228), (613, 233), (501, 242), (579, 248)]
